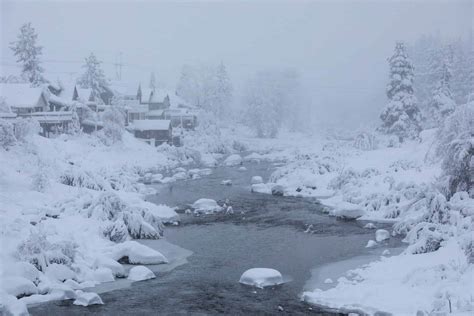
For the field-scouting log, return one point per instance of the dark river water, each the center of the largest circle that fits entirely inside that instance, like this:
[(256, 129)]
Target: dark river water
[(264, 231)]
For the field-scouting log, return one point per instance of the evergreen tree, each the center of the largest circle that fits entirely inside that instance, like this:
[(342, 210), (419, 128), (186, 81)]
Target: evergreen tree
[(442, 103), (223, 91), (27, 52), (152, 84), (401, 115), (93, 77)]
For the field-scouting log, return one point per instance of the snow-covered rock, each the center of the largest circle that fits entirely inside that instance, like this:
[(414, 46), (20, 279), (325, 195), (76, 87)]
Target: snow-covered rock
[(381, 235), (59, 272), (106, 262), (328, 281), (370, 226), (206, 206), (208, 160), (253, 157), (261, 188), (278, 190), (103, 275), (226, 182), (135, 253), (156, 178), (87, 298), (371, 243), (386, 252), (140, 273), (18, 286), (261, 277), (348, 210), (256, 180), (26, 270), (233, 160), (10, 305), (242, 168), (180, 176)]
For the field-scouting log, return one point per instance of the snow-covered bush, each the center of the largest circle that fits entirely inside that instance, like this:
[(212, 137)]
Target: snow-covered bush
[(121, 218), (7, 135), (456, 148), (84, 179), (41, 178), (37, 250), (114, 125), (366, 141), (25, 127)]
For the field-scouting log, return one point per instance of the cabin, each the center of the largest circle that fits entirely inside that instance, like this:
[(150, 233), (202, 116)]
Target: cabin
[(24, 99), (33, 102), (154, 132)]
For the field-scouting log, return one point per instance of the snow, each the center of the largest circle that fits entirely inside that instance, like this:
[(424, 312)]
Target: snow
[(18, 286), (226, 182), (233, 160), (371, 243), (206, 206), (59, 272), (140, 273), (261, 188), (150, 125), (135, 253), (87, 298), (256, 180), (415, 282), (381, 235), (261, 277), (20, 95), (348, 210)]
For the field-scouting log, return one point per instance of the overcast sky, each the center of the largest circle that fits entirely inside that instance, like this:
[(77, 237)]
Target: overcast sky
[(340, 47)]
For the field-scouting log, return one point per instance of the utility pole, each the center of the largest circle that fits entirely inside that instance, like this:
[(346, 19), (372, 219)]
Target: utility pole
[(118, 67)]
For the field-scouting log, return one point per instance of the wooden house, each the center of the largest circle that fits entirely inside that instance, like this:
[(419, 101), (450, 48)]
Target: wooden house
[(154, 132)]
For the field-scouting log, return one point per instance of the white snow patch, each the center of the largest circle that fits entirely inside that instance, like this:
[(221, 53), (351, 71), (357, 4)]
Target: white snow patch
[(381, 235), (206, 206), (140, 273), (261, 277), (233, 160), (256, 180), (136, 253), (87, 298)]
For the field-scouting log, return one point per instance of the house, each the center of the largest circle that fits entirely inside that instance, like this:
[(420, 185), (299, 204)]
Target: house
[(136, 112), (24, 99), (33, 103), (181, 117), (154, 132)]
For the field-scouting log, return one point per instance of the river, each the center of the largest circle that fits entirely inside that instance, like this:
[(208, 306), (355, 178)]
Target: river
[(264, 231)]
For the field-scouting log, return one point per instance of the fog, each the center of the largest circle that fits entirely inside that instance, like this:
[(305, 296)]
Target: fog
[(340, 49)]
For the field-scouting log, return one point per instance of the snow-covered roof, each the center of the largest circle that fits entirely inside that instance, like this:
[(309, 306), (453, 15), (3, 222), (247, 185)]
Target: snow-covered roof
[(20, 95), (158, 96), (155, 113), (59, 100), (138, 109), (151, 125), (7, 115), (146, 94), (84, 94)]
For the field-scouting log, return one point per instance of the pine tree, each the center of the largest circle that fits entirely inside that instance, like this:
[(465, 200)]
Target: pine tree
[(93, 77), (401, 115), (223, 91), (152, 84), (442, 103), (27, 52)]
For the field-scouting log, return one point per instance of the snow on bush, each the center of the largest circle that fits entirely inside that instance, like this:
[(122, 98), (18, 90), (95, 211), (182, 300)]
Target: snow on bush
[(18, 286), (456, 149), (138, 220), (7, 134), (114, 125), (25, 128), (365, 141)]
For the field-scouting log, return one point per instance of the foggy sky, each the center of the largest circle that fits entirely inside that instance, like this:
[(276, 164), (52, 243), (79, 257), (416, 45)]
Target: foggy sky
[(340, 48)]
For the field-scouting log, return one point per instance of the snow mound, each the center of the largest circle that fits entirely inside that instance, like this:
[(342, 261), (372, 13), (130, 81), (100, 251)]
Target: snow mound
[(140, 273), (105, 262), (135, 253), (233, 160), (242, 168), (103, 275), (226, 182), (18, 286), (328, 281), (261, 277), (371, 243), (348, 210), (253, 157), (261, 188), (59, 272), (10, 305), (381, 235), (206, 206), (87, 298), (370, 226), (256, 180)]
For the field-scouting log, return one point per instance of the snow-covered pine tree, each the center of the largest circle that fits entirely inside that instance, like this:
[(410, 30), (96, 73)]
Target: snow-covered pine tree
[(27, 52), (401, 115), (223, 91), (442, 103), (152, 84), (93, 77)]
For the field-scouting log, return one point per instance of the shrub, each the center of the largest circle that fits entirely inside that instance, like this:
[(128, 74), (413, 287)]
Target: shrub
[(7, 135), (365, 141)]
